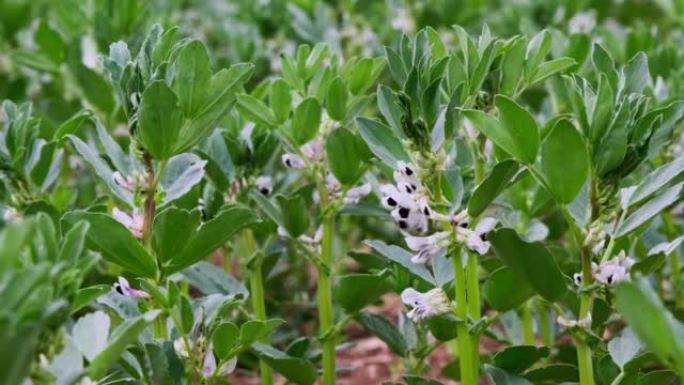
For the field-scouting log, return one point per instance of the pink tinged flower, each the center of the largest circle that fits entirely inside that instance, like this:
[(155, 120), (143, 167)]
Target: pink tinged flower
[(477, 239), (124, 181), (425, 305), (133, 222), (614, 270), (313, 149), (354, 195), (427, 247), (124, 288), (209, 364), (264, 184), (293, 161), (332, 184)]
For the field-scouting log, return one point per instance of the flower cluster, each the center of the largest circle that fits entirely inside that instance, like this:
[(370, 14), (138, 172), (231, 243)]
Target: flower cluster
[(609, 272), (407, 199)]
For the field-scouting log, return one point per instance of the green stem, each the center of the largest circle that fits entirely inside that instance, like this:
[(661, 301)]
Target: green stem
[(618, 379), (325, 305), (256, 282), (527, 323), (586, 301), (545, 324), (473, 298), (468, 377), (159, 329)]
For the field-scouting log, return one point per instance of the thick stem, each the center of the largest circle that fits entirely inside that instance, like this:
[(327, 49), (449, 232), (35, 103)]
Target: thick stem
[(545, 324), (159, 329), (675, 263), (325, 305), (586, 301), (256, 283), (527, 323), (473, 298), (468, 377)]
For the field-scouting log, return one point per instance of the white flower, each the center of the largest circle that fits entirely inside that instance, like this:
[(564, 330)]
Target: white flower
[(425, 305), (293, 161), (583, 323), (354, 195), (582, 22), (209, 364), (133, 222), (403, 21), (313, 149), (124, 288), (427, 247), (614, 270), (474, 239), (11, 215), (182, 347), (264, 184)]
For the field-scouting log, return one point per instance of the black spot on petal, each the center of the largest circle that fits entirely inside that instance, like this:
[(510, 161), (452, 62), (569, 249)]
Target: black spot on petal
[(402, 224), (391, 202), (404, 212)]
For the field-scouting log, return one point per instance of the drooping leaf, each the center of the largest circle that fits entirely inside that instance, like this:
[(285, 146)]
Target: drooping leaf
[(381, 141)]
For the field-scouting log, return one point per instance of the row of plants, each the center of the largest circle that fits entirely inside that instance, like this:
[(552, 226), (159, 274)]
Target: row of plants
[(192, 216)]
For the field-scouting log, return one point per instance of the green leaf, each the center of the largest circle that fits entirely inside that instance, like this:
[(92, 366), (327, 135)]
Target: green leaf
[(516, 359), (72, 124), (637, 75), (172, 229), (255, 110), (280, 100), (650, 209), (505, 290), (183, 313), (355, 291), (520, 127), (225, 337), (537, 49), (124, 335), (73, 242), (211, 279), (343, 156), (552, 67), (624, 347), (224, 85), (83, 297), (295, 214), (253, 330), (306, 120), (498, 133), (555, 373), (95, 88), (403, 258), (381, 141), (115, 242), (90, 333), (383, 329), (651, 321), (388, 104), (564, 162), (601, 110), (512, 66), (444, 327), (159, 120), (336, 101), (531, 261), (297, 370), (181, 173), (101, 169), (212, 235), (501, 377), (493, 185), (192, 77), (657, 179)]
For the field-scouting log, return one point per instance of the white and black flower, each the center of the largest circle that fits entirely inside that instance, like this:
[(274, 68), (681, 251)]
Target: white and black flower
[(427, 247), (264, 184), (124, 288)]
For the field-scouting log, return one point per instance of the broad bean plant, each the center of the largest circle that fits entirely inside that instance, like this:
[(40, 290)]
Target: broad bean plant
[(195, 205)]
